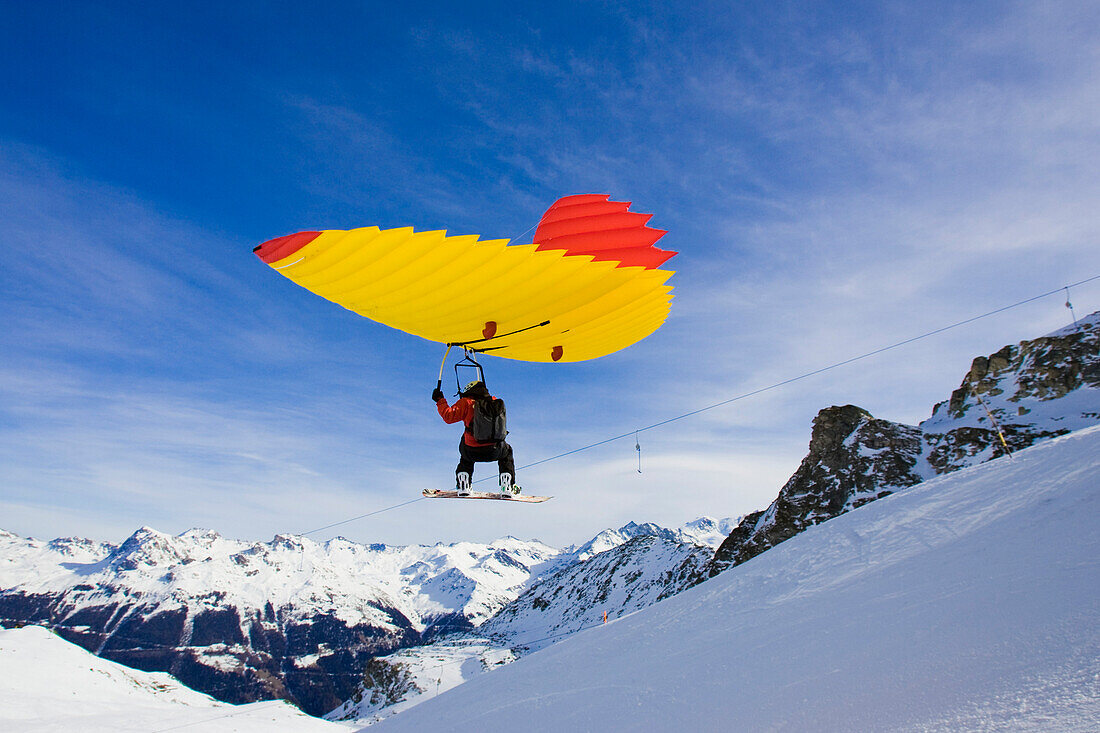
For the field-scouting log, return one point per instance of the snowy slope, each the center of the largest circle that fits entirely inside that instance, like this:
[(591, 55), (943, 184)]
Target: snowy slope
[(48, 684), (968, 602), (617, 581), (397, 682)]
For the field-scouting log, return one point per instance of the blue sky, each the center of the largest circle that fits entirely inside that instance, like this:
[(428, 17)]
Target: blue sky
[(836, 176)]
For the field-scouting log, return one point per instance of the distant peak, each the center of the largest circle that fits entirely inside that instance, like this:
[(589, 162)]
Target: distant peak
[(144, 534), (702, 522), (199, 532), (289, 541)]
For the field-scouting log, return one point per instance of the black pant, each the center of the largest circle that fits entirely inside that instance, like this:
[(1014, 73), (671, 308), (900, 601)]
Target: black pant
[(500, 452)]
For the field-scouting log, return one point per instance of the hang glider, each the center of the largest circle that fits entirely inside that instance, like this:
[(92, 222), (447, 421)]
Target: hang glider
[(588, 285)]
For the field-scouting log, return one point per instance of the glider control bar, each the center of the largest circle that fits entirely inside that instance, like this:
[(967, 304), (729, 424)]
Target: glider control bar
[(490, 334)]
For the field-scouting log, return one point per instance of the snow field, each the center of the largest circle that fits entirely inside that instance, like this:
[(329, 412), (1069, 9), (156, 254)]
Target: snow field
[(51, 685)]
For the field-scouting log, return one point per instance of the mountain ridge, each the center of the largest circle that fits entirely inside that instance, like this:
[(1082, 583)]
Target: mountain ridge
[(288, 618)]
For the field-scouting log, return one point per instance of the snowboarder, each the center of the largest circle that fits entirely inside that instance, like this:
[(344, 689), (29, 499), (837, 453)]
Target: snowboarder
[(483, 438)]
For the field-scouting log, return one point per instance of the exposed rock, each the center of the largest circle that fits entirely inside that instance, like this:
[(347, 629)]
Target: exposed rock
[(1034, 390), (1017, 387), (853, 459), (384, 683)]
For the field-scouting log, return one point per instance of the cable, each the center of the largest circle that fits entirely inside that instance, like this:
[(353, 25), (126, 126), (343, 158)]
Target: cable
[(810, 373), (362, 516), (752, 393)]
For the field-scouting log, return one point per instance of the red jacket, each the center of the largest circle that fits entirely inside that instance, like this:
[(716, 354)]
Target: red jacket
[(462, 409)]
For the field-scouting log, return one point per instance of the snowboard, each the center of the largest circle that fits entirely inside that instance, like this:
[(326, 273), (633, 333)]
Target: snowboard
[(452, 494)]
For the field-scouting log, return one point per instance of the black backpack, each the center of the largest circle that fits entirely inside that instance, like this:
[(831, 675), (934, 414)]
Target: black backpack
[(490, 421)]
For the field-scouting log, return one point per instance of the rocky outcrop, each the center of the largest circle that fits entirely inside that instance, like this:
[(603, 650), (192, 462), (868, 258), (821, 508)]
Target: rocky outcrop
[(384, 683), (1031, 391), (853, 459)]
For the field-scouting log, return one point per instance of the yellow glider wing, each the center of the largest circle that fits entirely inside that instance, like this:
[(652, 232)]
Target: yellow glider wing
[(588, 286)]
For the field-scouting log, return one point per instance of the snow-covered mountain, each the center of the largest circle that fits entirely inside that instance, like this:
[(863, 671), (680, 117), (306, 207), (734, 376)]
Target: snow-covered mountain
[(969, 602), (1027, 392), (50, 684), (645, 567), (614, 583), (290, 618), (704, 532)]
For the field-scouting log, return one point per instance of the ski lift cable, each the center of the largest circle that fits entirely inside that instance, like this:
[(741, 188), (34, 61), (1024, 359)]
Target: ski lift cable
[(812, 373), (362, 516), (743, 395)]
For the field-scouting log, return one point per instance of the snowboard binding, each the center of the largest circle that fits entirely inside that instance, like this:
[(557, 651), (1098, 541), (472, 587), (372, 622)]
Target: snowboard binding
[(507, 487)]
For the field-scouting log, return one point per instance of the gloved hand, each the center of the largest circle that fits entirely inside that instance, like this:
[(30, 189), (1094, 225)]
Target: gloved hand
[(437, 395)]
